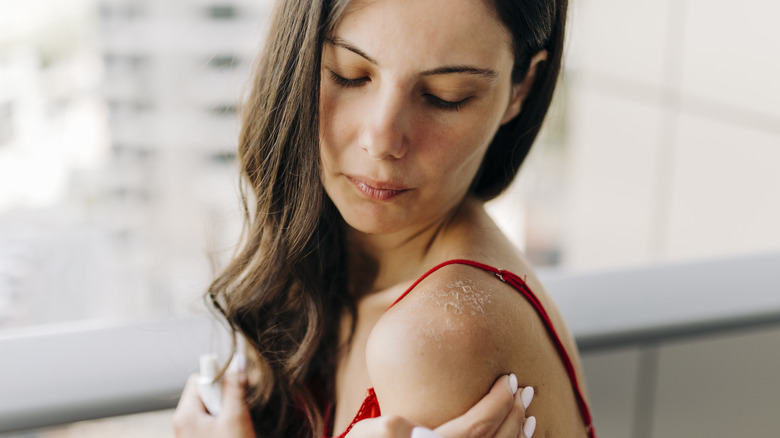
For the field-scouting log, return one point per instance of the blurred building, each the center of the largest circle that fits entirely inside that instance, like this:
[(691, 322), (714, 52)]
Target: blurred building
[(51, 127), (117, 135), (175, 72)]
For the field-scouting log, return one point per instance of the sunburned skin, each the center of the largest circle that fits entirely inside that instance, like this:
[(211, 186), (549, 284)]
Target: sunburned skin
[(461, 297)]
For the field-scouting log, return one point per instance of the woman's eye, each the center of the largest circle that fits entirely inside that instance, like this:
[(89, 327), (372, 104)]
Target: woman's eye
[(345, 82), (446, 104)]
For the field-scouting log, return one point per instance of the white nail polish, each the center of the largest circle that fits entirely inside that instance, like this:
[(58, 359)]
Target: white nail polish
[(526, 396), (238, 364), (422, 432), (529, 427), (513, 383)]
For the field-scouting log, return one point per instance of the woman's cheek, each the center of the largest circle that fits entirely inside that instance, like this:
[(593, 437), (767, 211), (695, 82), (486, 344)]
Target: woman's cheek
[(455, 136), (330, 122), (324, 111), (341, 117)]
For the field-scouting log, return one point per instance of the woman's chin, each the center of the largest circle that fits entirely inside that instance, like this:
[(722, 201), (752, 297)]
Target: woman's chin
[(367, 225), (375, 220)]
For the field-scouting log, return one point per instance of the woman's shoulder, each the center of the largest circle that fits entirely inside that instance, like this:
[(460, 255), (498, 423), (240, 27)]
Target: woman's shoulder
[(438, 350), (448, 340), (464, 300), (471, 292)]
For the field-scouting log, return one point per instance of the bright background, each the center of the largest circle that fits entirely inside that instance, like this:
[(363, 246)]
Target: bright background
[(118, 130), (118, 127)]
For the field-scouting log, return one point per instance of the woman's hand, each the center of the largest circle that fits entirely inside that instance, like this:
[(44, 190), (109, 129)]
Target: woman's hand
[(500, 414), (191, 420)]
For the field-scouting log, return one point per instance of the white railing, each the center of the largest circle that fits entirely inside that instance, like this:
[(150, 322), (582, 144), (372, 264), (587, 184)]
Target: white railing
[(615, 308), (71, 372)]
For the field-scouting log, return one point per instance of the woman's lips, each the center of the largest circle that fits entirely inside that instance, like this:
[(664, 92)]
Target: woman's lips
[(375, 190)]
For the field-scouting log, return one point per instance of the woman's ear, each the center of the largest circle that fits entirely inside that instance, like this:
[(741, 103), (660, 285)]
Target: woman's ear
[(521, 90)]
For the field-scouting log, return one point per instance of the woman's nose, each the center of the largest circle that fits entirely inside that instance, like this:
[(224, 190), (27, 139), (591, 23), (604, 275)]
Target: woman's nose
[(384, 133)]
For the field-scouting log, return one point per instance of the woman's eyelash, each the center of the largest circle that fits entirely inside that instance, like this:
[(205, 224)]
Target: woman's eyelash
[(346, 83), (435, 101), (446, 104)]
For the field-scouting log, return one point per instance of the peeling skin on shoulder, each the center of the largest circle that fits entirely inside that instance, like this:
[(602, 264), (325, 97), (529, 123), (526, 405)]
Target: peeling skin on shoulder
[(459, 298)]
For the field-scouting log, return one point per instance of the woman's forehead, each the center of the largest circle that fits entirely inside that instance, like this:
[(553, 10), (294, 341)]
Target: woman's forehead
[(440, 31)]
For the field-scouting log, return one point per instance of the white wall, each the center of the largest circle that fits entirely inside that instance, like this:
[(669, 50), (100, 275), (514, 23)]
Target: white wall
[(674, 131)]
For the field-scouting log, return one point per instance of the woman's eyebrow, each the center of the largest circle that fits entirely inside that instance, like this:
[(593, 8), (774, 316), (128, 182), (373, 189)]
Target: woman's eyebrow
[(467, 69), (338, 42)]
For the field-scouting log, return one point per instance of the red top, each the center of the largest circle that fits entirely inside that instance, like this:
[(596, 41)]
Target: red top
[(370, 407)]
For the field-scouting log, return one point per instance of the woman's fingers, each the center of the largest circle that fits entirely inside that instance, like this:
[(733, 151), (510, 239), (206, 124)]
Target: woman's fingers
[(233, 399), (512, 425), (191, 420), (232, 395), (499, 414), (529, 427), (190, 400), (234, 420), (489, 414), (516, 424), (190, 407)]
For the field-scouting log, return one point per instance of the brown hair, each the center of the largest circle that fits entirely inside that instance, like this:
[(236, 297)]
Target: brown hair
[(535, 25), (286, 288)]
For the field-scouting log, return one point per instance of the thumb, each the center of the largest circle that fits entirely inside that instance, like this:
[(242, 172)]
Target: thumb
[(233, 395)]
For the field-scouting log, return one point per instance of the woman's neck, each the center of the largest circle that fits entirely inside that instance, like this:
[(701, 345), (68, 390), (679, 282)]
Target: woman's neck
[(381, 261)]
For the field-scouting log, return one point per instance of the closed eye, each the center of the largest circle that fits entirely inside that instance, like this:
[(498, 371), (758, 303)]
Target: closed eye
[(346, 82), (446, 104)]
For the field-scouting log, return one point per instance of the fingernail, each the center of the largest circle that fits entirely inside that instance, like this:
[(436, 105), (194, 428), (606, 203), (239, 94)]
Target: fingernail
[(527, 395), (421, 432), (513, 383), (238, 364), (529, 427)]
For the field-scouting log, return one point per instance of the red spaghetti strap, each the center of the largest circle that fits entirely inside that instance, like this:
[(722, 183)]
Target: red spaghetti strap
[(369, 409), (519, 284), (434, 269)]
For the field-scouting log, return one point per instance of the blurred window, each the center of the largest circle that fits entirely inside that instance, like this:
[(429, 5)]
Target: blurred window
[(222, 12), (224, 61), (224, 110)]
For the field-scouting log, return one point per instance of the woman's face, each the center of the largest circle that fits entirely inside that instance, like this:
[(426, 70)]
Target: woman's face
[(412, 93)]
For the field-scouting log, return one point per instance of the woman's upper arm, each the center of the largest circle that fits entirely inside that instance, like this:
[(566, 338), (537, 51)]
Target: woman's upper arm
[(438, 351)]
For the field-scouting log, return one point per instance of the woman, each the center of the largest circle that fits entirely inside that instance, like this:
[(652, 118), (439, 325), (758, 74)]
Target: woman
[(426, 109)]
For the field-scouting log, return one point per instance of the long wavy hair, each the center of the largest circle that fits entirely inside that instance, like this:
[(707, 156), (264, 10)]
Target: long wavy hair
[(286, 289)]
